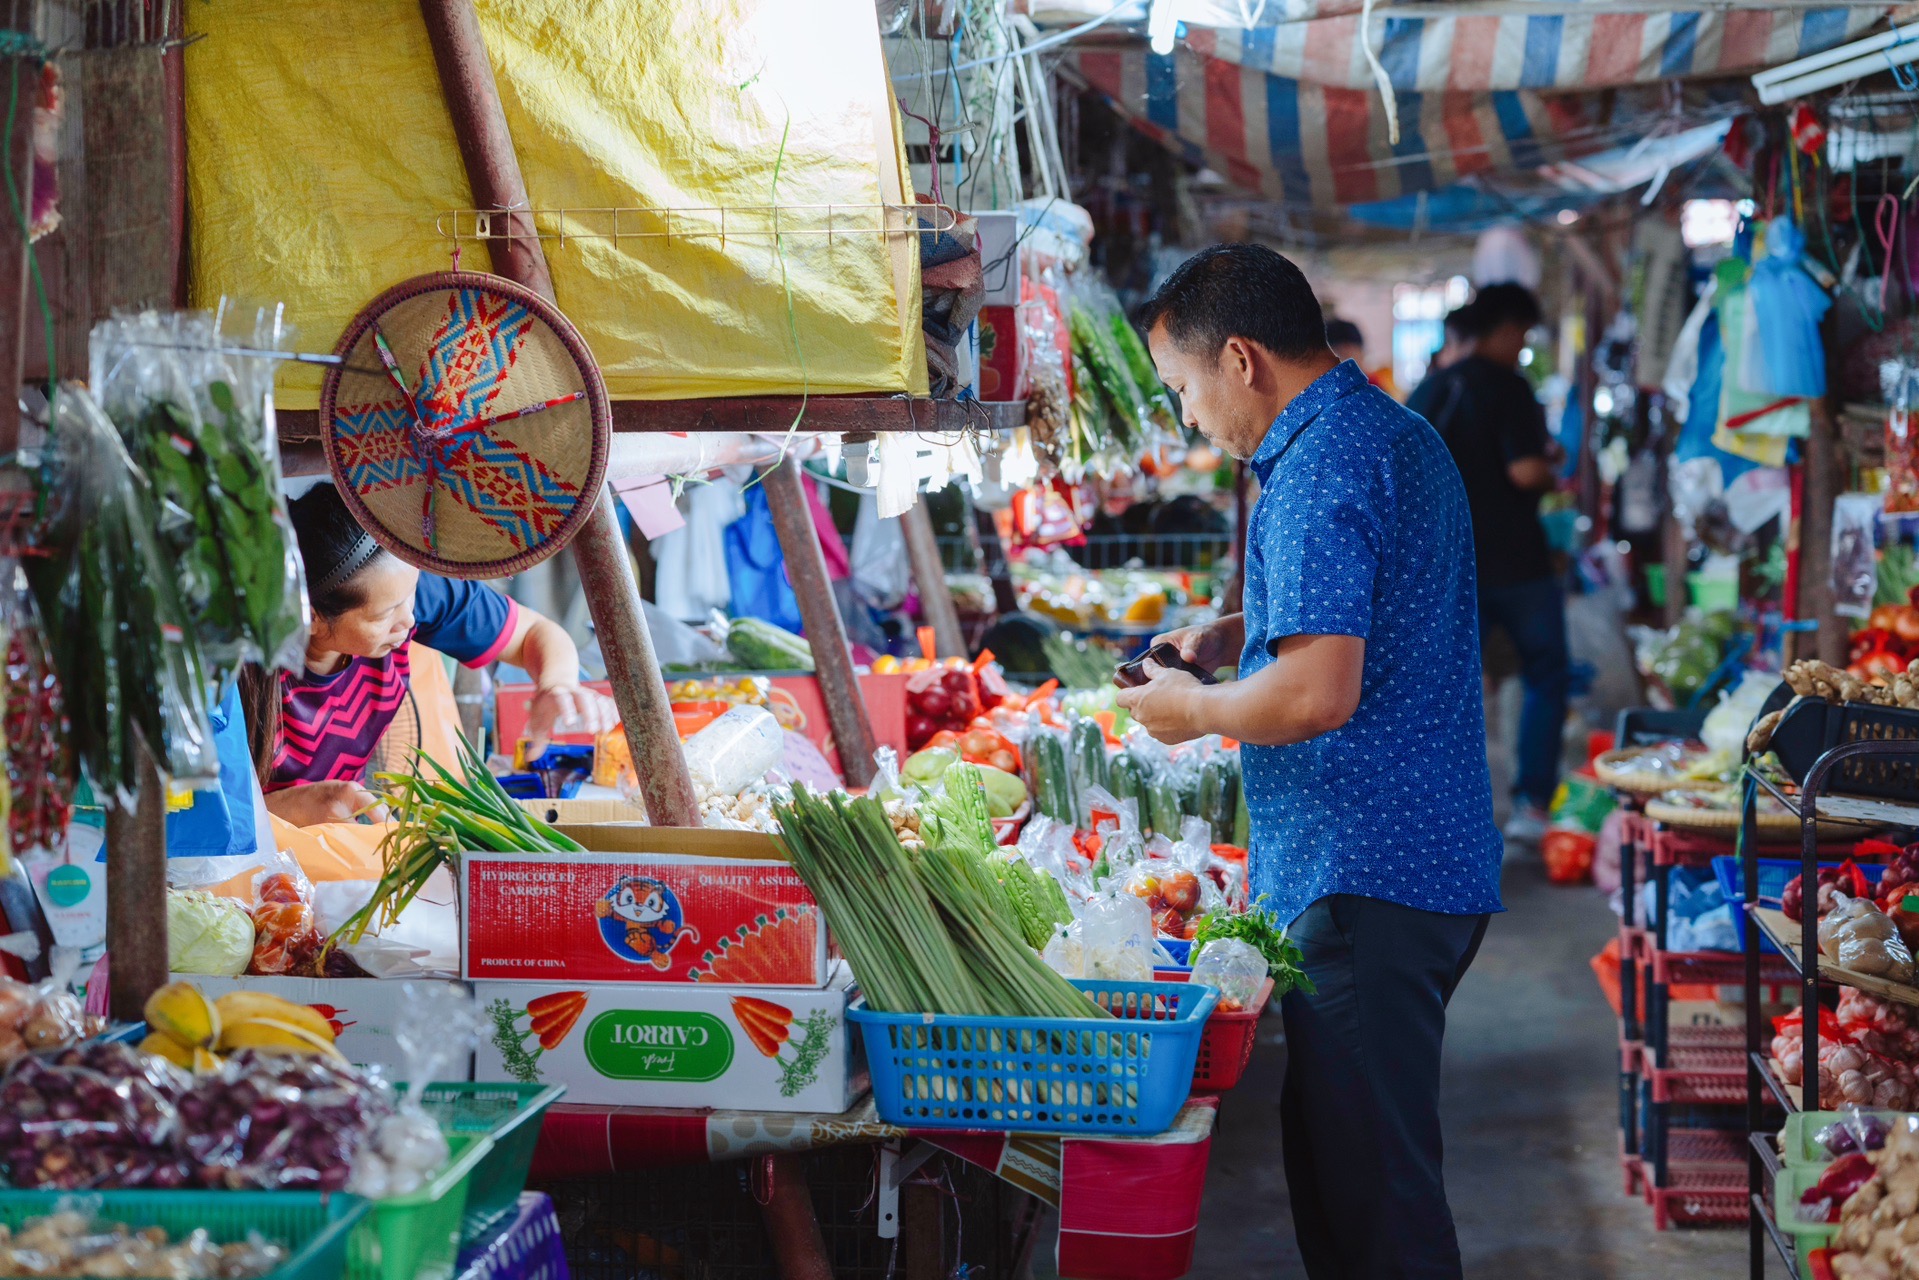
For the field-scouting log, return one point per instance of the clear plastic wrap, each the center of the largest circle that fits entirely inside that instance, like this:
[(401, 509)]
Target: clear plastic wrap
[(197, 417), (74, 1240), (1235, 967), (98, 1115), (128, 661), (39, 766), (406, 1147), (1112, 941), (736, 750)]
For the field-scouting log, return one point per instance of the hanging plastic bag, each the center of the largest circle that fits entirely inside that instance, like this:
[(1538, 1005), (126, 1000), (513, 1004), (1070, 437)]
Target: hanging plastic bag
[(1787, 306), (1855, 564), (198, 420), (128, 659), (881, 572)]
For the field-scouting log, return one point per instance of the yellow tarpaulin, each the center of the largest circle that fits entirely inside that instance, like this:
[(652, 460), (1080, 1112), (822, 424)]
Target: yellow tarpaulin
[(320, 156)]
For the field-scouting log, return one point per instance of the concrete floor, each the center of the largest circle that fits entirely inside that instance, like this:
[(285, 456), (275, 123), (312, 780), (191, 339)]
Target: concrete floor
[(1530, 1114)]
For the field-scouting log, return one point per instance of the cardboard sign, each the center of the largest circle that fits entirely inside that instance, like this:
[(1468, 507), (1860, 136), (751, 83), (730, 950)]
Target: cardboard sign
[(742, 1048), (649, 918)]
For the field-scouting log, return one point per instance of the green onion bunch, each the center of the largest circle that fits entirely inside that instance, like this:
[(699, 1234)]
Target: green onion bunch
[(438, 817)]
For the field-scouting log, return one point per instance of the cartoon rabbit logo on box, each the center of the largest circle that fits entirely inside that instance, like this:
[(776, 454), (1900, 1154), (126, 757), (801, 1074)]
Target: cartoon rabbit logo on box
[(641, 921)]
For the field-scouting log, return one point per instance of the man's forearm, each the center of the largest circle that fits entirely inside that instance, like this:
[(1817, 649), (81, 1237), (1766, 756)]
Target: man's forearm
[(1303, 694)]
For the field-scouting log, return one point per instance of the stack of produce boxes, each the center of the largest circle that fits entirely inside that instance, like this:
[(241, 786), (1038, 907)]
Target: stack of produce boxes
[(668, 968)]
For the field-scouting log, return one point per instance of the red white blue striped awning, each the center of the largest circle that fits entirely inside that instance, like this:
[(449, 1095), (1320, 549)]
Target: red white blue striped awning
[(1327, 145), (1554, 51)]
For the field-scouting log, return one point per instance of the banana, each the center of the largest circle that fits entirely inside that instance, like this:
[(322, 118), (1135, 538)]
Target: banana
[(161, 1045), (204, 1062), (181, 1010), (273, 1036), (239, 1006)]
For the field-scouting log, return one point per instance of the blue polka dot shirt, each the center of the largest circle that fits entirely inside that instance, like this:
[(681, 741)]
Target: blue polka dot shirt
[(1361, 529)]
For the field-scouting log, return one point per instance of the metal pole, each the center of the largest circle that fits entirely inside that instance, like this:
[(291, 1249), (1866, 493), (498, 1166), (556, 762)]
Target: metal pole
[(137, 894), (923, 549), (606, 571), (833, 662)]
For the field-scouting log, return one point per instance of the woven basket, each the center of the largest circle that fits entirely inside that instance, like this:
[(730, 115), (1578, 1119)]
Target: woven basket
[(1723, 822), (1606, 766), (468, 427)]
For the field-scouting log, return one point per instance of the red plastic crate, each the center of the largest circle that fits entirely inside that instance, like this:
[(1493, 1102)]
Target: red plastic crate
[(1226, 1046)]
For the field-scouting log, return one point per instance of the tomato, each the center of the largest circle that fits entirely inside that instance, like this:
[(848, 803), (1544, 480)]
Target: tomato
[(1906, 625), (1884, 616), (1181, 889), (1168, 923), (1143, 886)]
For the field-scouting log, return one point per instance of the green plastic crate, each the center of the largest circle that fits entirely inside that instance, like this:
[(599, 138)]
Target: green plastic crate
[(1792, 1182), (314, 1226), (511, 1115), (417, 1237), (1799, 1148)]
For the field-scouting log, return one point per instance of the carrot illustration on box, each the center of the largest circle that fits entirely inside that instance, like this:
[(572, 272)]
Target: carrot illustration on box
[(770, 1027), (641, 920), (552, 1016)]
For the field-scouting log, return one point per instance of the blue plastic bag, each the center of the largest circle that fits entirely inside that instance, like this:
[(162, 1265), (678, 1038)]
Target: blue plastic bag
[(756, 567), (1787, 306)]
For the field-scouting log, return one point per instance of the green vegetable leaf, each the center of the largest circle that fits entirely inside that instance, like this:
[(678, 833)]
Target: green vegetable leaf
[(1261, 930)]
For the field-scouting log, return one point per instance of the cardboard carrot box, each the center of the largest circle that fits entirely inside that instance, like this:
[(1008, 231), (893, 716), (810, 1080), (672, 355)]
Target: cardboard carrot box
[(662, 906), (740, 1048)]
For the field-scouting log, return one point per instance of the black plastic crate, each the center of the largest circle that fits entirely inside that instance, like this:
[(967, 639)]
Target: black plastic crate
[(702, 1222), (1814, 726)]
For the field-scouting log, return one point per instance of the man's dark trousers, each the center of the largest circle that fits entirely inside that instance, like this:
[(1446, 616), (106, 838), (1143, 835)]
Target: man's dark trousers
[(1360, 1106)]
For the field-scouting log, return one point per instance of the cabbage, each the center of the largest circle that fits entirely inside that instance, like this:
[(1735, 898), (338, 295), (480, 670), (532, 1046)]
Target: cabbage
[(207, 934)]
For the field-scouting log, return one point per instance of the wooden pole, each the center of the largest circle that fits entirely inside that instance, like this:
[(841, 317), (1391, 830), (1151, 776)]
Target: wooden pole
[(22, 78), (137, 895), (820, 612), (792, 1228), (606, 570), (929, 574), (1815, 538)]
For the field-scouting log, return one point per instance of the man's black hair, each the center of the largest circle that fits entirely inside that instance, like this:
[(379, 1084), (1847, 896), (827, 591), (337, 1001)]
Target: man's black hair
[(1344, 333), (1463, 321), (1498, 304), (1239, 291)]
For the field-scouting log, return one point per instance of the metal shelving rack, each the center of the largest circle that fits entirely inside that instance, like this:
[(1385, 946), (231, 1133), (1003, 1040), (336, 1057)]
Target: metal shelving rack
[(1814, 801)]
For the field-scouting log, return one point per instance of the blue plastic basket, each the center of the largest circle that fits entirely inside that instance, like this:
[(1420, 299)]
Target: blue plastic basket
[(1774, 875), (1180, 949), (1127, 1075)]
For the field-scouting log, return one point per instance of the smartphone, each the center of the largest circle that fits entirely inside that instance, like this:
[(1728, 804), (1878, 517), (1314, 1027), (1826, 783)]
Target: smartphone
[(1132, 674)]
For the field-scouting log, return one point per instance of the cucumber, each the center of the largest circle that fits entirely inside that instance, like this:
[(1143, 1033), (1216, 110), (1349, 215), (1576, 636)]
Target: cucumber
[(1242, 821), (1089, 754), (760, 646), (1053, 792), (1162, 797), (1219, 796)]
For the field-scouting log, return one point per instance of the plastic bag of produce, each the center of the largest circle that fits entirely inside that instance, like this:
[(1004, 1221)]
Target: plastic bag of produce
[(736, 750), (1117, 934), (99, 1115), (1235, 967), (197, 418), (207, 934), (127, 657), (407, 1147)]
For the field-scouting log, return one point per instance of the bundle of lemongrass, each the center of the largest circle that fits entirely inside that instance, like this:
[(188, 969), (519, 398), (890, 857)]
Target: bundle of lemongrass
[(929, 931)]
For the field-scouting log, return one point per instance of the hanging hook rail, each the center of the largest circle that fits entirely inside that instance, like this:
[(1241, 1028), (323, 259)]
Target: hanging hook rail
[(694, 222)]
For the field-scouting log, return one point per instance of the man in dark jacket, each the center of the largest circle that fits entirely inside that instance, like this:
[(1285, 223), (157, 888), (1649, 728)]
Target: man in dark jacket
[(1493, 425)]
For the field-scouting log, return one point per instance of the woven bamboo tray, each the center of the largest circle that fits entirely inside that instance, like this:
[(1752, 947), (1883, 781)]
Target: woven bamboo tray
[(1606, 766), (1722, 822)]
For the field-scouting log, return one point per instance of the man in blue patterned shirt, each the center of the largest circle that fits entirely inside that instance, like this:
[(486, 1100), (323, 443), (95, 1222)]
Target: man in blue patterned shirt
[(1364, 742)]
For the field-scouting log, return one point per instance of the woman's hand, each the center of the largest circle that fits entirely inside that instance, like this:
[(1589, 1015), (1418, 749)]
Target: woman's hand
[(1211, 644), (566, 707), (313, 803), (1161, 705)]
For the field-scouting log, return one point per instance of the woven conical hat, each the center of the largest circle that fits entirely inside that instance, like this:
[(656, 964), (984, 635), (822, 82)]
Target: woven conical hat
[(468, 427)]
